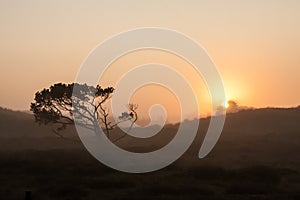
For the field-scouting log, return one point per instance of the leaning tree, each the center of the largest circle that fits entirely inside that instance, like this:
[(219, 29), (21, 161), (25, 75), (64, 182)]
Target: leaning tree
[(61, 103)]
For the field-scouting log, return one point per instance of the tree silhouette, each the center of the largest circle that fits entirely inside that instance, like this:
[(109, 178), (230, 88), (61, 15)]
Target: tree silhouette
[(60, 103)]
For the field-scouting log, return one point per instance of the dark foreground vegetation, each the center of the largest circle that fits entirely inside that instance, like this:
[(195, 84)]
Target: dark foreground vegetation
[(76, 175), (257, 157)]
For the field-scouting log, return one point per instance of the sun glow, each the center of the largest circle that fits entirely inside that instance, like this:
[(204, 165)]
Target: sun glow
[(225, 104)]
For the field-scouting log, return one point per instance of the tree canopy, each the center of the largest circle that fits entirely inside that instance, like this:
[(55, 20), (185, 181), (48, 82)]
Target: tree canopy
[(60, 103)]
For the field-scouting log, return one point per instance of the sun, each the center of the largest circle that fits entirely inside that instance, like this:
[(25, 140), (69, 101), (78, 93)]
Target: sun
[(225, 104)]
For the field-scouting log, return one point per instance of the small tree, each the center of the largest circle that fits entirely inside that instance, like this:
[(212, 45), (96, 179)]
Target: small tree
[(62, 102)]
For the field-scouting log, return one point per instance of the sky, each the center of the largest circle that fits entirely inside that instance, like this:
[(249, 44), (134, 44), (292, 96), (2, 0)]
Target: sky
[(255, 44)]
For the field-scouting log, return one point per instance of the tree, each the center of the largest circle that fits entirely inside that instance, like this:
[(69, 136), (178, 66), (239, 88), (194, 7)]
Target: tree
[(60, 103)]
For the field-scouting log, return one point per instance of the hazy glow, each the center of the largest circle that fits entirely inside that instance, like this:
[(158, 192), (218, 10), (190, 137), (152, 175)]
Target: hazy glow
[(145, 96), (225, 104), (255, 44)]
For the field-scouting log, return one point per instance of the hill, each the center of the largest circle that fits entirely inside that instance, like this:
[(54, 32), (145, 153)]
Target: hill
[(20, 132), (268, 135), (256, 157)]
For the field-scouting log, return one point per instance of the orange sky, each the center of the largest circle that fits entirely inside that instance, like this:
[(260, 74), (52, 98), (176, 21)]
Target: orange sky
[(255, 44)]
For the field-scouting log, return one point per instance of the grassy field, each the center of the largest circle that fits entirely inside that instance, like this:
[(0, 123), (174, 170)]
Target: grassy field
[(257, 157), (76, 175)]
